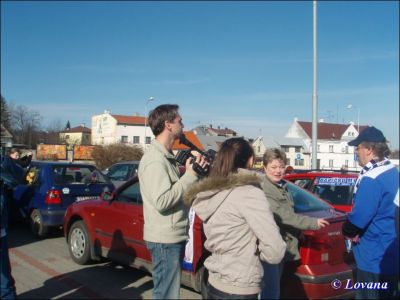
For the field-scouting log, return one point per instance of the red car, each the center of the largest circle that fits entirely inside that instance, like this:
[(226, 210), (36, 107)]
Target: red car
[(112, 227), (333, 186)]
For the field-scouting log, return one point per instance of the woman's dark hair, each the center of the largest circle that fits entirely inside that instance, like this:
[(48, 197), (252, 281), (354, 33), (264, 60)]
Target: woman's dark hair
[(233, 154), (15, 150), (162, 113)]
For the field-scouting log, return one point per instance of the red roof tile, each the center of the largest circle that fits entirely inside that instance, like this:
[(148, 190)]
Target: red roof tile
[(130, 120), (77, 129), (327, 131), (191, 137), (225, 131)]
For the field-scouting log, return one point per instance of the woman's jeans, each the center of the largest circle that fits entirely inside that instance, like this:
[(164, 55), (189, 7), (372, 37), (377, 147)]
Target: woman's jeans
[(7, 281), (213, 293), (167, 260), (271, 283)]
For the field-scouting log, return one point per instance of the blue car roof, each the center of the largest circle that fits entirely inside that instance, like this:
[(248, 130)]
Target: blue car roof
[(62, 163)]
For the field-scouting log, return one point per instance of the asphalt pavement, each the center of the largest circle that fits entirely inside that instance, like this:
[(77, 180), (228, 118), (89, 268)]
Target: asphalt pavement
[(43, 269)]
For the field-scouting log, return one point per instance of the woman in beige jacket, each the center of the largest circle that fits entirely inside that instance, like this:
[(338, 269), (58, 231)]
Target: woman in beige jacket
[(238, 224)]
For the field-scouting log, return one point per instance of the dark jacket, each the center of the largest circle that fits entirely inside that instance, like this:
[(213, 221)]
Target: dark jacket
[(11, 175)]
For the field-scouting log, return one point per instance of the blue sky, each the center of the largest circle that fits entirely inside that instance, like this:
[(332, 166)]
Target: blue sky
[(243, 65)]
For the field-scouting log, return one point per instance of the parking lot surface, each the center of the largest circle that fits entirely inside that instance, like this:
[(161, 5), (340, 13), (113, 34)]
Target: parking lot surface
[(43, 269)]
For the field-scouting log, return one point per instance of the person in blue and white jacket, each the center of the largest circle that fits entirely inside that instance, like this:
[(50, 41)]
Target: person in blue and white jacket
[(371, 224)]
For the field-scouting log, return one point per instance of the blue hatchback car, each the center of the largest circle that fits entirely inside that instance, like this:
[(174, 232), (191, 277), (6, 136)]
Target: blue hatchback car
[(51, 187)]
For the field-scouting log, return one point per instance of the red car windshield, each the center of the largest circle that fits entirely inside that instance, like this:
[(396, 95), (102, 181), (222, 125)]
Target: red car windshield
[(335, 190), (304, 201)]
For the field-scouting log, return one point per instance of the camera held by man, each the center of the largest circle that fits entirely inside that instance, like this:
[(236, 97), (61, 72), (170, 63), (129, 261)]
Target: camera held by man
[(183, 155)]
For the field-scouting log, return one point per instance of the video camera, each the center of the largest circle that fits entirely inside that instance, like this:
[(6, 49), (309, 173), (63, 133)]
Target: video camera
[(183, 155)]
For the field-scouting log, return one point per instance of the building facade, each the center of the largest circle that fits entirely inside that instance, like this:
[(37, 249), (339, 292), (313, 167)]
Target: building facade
[(333, 153), (109, 128), (80, 135)]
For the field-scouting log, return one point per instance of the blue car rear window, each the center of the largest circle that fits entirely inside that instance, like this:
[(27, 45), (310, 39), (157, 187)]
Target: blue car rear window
[(77, 175)]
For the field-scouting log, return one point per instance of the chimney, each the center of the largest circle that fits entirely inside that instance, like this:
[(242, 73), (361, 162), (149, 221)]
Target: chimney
[(82, 124), (321, 121), (210, 125)]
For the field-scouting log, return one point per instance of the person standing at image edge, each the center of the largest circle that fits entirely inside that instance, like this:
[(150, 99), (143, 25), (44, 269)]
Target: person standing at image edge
[(371, 223)]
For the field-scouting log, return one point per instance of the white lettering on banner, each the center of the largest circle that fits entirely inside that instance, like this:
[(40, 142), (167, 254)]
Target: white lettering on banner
[(336, 181), (188, 258)]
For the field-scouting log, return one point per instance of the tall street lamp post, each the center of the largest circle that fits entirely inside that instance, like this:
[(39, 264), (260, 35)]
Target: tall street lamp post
[(350, 106), (145, 120)]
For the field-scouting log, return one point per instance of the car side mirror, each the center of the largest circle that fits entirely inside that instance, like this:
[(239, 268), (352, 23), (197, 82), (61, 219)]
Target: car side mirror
[(107, 196)]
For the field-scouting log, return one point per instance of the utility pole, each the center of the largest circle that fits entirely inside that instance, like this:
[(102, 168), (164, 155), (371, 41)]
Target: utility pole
[(315, 98)]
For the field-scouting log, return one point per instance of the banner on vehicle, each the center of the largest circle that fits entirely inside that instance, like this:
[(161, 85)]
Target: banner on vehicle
[(188, 258), (336, 181)]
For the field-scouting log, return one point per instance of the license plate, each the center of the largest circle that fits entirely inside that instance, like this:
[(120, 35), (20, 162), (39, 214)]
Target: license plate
[(82, 198), (347, 244)]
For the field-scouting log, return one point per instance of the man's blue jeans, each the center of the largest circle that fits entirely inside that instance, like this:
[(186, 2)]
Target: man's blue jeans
[(167, 260), (7, 281), (271, 283)]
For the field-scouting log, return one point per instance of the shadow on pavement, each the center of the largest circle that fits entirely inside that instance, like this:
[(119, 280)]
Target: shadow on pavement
[(108, 281), (19, 234)]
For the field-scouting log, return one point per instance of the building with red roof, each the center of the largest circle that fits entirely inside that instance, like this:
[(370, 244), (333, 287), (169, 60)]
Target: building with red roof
[(332, 149)]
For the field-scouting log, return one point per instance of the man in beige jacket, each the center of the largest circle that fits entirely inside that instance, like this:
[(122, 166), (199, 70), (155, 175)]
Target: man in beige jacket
[(161, 187)]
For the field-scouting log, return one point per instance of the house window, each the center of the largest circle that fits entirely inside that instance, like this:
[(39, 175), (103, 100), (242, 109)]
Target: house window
[(124, 139), (297, 149), (258, 149), (148, 140), (346, 162), (331, 148), (136, 139), (318, 148), (299, 162), (67, 137), (285, 149), (288, 161), (346, 149), (331, 163)]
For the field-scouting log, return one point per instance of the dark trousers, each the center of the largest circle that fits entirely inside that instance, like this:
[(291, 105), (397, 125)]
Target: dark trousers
[(392, 291), (213, 293), (7, 281)]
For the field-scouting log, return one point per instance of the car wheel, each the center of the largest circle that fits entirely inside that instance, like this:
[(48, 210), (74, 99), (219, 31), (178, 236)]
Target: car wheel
[(36, 223), (79, 244)]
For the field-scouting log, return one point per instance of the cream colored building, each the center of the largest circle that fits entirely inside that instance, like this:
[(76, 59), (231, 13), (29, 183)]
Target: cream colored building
[(79, 135), (109, 128), (333, 153)]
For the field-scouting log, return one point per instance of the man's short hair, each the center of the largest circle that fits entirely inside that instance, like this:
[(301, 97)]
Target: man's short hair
[(162, 113), (381, 150)]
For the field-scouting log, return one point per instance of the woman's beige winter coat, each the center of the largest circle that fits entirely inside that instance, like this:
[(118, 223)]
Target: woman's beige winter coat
[(240, 230)]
